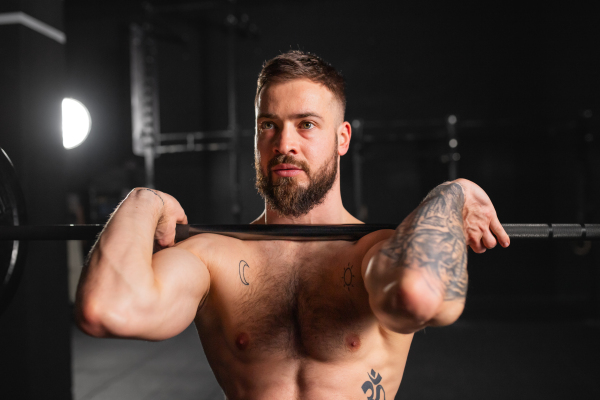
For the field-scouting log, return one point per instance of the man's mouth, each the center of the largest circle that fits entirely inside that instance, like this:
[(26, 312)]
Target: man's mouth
[(286, 170)]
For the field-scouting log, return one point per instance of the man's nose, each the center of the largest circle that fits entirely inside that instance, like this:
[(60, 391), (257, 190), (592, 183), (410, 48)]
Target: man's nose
[(286, 141)]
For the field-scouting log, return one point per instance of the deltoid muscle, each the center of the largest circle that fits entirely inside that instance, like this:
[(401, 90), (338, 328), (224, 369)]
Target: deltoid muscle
[(431, 238)]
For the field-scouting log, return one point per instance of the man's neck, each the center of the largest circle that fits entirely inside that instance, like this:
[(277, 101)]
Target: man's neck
[(330, 212)]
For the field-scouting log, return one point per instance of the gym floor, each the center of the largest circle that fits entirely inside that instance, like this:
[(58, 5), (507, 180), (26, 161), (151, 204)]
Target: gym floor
[(468, 360)]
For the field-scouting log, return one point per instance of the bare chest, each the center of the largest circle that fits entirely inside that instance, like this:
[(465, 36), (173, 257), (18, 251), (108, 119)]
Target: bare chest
[(300, 299)]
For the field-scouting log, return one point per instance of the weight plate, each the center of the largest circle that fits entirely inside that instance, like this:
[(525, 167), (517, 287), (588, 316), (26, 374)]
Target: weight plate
[(12, 213)]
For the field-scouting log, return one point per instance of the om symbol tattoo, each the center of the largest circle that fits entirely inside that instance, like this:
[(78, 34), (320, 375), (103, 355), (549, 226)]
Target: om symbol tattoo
[(374, 387)]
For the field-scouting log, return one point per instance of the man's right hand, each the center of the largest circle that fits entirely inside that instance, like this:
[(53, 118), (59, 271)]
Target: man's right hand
[(171, 214)]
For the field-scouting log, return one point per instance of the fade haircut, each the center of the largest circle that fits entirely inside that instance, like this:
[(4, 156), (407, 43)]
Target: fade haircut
[(296, 64)]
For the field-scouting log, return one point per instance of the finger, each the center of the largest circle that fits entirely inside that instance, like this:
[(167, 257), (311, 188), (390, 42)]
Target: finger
[(165, 234), (179, 213), (475, 242), (478, 247), (182, 218), (488, 240), (167, 239), (500, 233)]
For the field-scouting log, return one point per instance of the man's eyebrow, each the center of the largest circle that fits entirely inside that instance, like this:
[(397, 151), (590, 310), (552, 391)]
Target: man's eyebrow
[(307, 115), (294, 116), (266, 115)]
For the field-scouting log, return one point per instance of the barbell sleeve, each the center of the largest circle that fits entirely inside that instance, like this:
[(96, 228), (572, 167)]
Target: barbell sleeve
[(553, 231), (290, 232)]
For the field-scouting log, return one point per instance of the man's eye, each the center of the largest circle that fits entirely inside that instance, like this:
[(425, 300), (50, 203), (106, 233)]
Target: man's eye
[(307, 125), (267, 125)]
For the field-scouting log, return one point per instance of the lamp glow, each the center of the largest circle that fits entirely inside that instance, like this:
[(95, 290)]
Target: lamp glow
[(76, 123)]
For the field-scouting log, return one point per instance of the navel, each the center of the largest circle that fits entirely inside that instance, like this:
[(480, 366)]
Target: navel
[(353, 342), (242, 340)]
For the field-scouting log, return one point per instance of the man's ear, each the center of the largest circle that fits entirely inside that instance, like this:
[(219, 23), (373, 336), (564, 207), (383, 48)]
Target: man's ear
[(344, 133)]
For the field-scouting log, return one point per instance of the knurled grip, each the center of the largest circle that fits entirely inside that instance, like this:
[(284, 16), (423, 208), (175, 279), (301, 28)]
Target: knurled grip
[(553, 231)]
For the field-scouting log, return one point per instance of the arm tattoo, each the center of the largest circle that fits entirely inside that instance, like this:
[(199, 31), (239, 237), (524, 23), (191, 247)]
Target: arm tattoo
[(156, 194), (432, 238)]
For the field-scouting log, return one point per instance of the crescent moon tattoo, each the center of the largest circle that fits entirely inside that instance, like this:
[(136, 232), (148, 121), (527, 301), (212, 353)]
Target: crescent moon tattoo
[(242, 265)]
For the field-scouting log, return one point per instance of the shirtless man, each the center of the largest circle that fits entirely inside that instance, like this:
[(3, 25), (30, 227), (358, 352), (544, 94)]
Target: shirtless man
[(285, 319)]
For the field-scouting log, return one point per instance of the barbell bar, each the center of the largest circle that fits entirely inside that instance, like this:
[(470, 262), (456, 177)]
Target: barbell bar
[(15, 233), (349, 232)]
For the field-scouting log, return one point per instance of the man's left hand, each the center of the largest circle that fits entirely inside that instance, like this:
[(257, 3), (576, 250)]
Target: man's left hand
[(482, 228)]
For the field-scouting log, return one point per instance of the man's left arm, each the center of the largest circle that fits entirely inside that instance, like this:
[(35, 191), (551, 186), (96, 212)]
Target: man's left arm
[(419, 277)]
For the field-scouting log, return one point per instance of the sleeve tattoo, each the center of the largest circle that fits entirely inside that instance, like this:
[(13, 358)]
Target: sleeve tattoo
[(431, 238)]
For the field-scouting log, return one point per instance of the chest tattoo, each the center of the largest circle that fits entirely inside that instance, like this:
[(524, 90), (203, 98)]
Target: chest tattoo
[(348, 276), (241, 268)]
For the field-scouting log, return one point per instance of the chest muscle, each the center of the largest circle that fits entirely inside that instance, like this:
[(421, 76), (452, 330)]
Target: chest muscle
[(302, 303)]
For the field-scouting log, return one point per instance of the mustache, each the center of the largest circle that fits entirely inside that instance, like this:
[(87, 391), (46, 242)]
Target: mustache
[(287, 159)]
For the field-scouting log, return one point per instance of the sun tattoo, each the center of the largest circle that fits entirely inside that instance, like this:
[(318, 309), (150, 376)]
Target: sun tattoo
[(348, 276)]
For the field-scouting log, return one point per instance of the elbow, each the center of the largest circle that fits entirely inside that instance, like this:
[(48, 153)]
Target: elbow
[(410, 307), (417, 301), (96, 319), (412, 304), (450, 312), (90, 319)]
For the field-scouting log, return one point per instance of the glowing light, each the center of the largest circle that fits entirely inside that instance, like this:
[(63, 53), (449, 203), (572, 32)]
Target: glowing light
[(76, 123), (452, 119), (453, 143)]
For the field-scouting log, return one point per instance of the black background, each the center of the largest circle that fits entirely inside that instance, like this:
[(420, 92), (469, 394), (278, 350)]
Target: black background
[(526, 73)]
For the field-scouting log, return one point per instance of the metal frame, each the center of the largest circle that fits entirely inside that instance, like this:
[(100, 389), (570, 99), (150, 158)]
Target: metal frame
[(145, 108), (148, 140)]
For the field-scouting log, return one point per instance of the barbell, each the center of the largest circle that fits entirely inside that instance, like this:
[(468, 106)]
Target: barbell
[(14, 233)]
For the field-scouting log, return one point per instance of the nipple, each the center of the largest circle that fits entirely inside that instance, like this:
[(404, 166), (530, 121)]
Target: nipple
[(353, 342), (242, 340)]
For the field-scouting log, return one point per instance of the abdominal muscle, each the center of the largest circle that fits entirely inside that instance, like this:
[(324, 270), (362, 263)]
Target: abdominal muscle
[(278, 377)]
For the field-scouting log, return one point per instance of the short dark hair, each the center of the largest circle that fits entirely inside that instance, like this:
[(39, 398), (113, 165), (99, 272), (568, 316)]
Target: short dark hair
[(296, 64)]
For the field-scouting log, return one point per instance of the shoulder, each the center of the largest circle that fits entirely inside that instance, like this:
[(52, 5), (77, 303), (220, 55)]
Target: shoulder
[(210, 247), (371, 244), (373, 238)]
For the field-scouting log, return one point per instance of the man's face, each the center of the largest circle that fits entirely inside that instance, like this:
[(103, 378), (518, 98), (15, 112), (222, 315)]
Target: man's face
[(296, 145)]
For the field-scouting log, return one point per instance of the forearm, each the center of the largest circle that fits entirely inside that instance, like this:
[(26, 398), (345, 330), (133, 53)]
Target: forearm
[(118, 275), (419, 276)]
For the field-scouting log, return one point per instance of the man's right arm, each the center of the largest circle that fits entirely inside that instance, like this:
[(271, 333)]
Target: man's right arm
[(127, 291)]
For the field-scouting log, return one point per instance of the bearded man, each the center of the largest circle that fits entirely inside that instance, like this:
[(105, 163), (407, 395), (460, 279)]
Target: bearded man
[(291, 319)]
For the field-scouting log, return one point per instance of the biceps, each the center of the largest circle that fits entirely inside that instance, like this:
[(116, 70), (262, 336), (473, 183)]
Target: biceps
[(182, 281)]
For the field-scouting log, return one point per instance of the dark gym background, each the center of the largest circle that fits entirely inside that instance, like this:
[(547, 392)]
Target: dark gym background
[(521, 79)]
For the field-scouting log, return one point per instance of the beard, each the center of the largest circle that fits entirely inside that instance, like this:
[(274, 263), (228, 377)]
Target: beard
[(287, 196)]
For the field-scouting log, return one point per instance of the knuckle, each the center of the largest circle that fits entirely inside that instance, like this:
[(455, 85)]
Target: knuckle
[(478, 249)]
